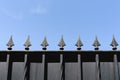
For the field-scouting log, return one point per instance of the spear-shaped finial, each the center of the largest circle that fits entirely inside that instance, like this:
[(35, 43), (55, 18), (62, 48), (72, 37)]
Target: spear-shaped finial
[(44, 43), (61, 43), (27, 43), (10, 43), (96, 44), (79, 43), (114, 43)]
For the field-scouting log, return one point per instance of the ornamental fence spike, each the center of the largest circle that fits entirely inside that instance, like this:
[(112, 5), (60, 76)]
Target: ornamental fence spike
[(79, 43), (114, 43), (44, 43), (27, 44), (10, 43), (96, 43), (62, 43)]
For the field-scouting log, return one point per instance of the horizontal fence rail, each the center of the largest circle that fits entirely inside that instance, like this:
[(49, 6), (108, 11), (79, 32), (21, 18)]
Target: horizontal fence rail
[(60, 65)]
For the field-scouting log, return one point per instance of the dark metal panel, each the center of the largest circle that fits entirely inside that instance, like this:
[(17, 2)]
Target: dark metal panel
[(87, 57), (35, 58), (54, 71), (18, 71), (37, 65), (72, 71), (3, 57), (52, 57), (89, 71), (52, 67), (3, 66), (70, 57), (3, 70), (107, 70), (15, 66), (119, 70), (106, 57), (36, 71)]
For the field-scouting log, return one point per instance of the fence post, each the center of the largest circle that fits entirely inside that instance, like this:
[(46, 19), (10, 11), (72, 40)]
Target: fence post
[(44, 45), (26, 61), (79, 44), (96, 44), (9, 62), (61, 45), (114, 44)]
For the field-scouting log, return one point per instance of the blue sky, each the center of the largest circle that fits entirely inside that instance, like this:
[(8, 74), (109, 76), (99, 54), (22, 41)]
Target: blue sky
[(53, 18)]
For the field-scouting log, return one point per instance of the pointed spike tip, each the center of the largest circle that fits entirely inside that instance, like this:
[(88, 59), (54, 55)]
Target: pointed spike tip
[(62, 43), (27, 44), (79, 43), (96, 43), (45, 43), (114, 43), (10, 43)]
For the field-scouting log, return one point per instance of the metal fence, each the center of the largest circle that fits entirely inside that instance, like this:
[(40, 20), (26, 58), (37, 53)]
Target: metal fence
[(61, 64)]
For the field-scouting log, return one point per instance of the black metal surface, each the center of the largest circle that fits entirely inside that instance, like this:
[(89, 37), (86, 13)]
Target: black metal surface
[(80, 65), (9, 76)]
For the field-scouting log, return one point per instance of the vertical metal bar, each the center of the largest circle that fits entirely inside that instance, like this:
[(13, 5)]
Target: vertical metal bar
[(98, 73), (45, 68), (81, 67), (80, 61), (26, 68), (62, 67), (9, 62), (116, 68)]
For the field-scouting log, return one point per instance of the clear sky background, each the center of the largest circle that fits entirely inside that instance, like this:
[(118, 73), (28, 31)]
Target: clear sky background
[(53, 18)]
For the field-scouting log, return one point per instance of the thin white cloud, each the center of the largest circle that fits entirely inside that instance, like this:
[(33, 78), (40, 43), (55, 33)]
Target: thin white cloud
[(38, 10), (10, 14)]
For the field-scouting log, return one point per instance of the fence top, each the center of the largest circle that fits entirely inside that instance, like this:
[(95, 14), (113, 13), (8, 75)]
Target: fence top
[(59, 51), (62, 43)]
